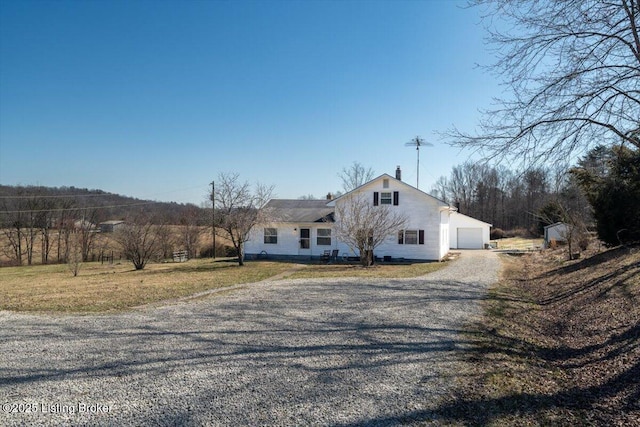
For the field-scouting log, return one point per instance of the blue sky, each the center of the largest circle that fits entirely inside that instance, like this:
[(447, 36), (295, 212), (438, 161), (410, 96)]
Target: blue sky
[(153, 99)]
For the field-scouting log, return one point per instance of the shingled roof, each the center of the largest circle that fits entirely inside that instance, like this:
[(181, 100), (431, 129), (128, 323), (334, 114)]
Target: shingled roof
[(298, 210)]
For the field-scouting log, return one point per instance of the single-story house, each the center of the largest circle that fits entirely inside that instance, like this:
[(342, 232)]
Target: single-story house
[(557, 231), (306, 228), (111, 226), (468, 232)]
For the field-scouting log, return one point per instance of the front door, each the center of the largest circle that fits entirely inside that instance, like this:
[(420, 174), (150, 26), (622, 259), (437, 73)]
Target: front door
[(304, 247)]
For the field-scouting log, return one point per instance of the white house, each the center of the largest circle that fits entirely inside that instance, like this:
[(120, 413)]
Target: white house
[(305, 228), (468, 232)]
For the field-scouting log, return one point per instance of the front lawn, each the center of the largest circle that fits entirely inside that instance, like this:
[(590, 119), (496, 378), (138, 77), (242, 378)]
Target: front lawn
[(111, 287)]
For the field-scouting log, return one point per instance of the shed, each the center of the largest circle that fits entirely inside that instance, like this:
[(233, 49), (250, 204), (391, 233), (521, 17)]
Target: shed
[(467, 232), (557, 231)]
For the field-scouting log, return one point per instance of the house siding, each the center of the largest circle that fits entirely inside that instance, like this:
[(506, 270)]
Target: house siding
[(423, 213), (288, 240)]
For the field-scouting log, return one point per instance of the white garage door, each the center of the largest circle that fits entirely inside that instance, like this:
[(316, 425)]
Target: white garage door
[(470, 238)]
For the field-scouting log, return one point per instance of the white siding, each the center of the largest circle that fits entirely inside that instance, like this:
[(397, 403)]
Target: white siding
[(423, 213), (288, 240), (444, 233)]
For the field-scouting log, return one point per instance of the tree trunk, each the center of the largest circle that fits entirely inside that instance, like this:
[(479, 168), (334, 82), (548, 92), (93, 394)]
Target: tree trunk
[(240, 254)]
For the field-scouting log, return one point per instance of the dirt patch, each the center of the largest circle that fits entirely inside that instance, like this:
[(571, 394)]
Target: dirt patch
[(559, 344)]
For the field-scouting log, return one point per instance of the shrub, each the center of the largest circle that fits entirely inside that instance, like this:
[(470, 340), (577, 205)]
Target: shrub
[(497, 233), (221, 251)]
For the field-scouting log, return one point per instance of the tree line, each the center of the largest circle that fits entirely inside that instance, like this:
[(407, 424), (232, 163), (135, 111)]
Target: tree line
[(601, 192), (61, 224), (511, 200)]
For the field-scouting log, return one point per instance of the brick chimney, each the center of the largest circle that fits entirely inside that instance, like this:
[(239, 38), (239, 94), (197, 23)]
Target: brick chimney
[(398, 174)]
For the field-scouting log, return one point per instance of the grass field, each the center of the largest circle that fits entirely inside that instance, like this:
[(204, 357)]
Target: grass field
[(519, 243), (52, 288), (103, 287)]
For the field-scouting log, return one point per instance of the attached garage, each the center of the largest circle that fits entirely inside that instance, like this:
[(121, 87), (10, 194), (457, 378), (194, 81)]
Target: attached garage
[(467, 232)]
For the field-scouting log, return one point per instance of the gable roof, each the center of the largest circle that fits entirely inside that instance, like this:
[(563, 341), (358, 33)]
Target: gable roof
[(467, 217), (387, 176), (555, 224), (296, 210)]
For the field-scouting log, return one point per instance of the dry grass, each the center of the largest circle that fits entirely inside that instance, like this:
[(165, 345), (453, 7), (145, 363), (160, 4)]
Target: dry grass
[(559, 345), (103, 287), (97, 288), (519, 243), (384, 271)]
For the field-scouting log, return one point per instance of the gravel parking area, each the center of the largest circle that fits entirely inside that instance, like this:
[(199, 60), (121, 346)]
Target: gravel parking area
[(292, 352)]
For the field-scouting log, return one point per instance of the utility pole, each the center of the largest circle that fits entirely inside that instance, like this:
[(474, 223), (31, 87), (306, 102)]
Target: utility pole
[(213, 216)]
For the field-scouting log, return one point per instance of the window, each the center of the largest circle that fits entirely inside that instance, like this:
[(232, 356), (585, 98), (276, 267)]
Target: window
[(411, 237), (385, 183), (385, 198), (271, 236), (324, 237)]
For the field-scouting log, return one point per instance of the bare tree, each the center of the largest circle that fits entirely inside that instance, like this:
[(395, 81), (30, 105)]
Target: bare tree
[(572, 69), (74, 253), (45, 223), (65, 226), (20, 227), (191, 230), (239, 208), (139, 240), (364, 227), (13, 233), (354, 176), (86, 227)]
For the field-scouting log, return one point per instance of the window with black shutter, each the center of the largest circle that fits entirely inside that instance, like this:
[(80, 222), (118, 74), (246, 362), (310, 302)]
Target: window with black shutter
[(376, 198), (421, 237), (396, 198)]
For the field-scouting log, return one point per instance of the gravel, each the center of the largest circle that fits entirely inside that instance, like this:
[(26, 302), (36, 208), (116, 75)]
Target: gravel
[(344, 352)]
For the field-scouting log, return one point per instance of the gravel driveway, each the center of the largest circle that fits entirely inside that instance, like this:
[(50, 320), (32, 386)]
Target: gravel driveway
[(291, 352)]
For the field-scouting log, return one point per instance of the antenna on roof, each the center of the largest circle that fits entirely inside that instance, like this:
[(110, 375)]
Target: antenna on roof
[(418, 142)]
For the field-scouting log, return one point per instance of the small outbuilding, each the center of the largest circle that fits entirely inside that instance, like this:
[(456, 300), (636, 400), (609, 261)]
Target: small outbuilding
[(467, 232), (111, 226), (555, 232)]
